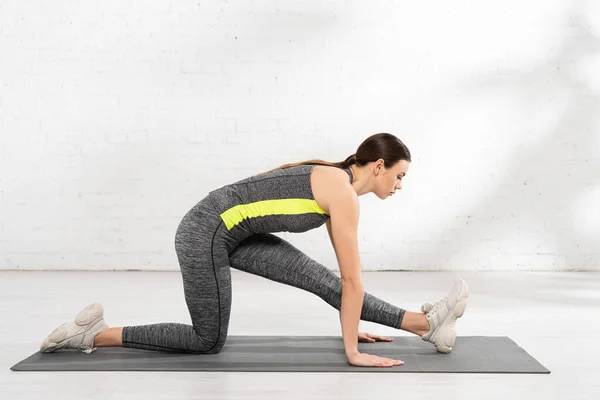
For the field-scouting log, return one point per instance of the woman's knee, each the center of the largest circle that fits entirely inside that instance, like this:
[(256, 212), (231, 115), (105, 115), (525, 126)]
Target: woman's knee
[(216, 348), (212, 347), (209, 343)]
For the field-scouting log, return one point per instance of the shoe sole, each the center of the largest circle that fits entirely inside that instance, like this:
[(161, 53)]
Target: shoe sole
[(90, 316), (458, 311)]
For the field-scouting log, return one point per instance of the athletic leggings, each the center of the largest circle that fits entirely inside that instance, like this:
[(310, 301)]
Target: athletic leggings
[(205, 255)]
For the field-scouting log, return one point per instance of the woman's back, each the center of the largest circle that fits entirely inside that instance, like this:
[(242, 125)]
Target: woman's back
[(292, 200)]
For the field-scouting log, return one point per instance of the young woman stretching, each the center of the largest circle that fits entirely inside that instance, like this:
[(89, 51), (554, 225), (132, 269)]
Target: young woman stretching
[(231, 227)]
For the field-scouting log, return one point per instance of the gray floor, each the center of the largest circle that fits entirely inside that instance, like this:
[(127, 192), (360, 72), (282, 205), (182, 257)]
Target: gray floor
[(553, 316)]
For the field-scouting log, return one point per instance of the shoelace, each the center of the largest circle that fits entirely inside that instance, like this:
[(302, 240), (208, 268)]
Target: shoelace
[(436, 304)]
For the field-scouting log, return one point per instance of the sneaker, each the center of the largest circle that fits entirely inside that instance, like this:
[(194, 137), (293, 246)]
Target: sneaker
[(80, 333), (442, 316)]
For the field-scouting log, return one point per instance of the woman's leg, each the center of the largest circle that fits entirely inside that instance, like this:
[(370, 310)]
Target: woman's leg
[(112, 337), (272, 257), (206, 276), (262, 254)]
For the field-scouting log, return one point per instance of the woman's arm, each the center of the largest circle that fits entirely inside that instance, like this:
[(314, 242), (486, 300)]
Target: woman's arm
[(344, 211), (328, 224)]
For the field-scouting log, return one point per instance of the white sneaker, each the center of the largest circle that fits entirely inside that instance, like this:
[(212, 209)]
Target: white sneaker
[(442, 316), (79, 334)]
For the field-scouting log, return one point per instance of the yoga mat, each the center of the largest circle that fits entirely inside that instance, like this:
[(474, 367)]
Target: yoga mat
[(470, 354)]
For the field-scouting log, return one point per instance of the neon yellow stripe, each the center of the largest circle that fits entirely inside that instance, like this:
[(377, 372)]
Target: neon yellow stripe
[(237, 214)]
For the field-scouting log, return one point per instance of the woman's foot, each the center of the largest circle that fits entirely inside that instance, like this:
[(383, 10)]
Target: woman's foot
[(442, 316), (78, 334)]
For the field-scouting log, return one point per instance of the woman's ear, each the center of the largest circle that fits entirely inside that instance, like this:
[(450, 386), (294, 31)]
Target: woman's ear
[(378, 166)]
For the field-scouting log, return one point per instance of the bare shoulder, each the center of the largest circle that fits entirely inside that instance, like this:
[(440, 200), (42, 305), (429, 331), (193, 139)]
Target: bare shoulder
[(330, 185)]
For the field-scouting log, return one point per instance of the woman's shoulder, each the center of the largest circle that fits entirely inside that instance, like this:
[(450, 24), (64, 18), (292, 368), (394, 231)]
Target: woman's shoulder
[(327, 184)]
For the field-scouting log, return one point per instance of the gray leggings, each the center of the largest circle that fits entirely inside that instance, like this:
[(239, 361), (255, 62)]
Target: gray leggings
[(205, 259)]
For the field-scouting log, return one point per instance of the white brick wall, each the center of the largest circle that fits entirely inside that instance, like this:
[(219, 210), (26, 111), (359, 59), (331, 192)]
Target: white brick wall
[(117, 117)]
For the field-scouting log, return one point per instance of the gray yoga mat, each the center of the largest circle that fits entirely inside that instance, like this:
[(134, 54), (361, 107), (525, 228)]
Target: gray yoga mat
[(471, 354)]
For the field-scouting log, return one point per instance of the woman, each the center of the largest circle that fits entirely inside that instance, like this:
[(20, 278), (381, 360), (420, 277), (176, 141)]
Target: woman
[(231, 227)]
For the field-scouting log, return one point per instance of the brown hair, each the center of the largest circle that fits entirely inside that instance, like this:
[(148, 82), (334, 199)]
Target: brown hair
[(381, 145)]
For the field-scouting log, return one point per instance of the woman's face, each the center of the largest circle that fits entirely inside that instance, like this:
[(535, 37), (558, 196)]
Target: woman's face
[(390, 179)]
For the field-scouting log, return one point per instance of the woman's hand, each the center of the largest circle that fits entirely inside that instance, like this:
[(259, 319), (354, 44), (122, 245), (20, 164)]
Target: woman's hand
[(368, 360), (370, 338)]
